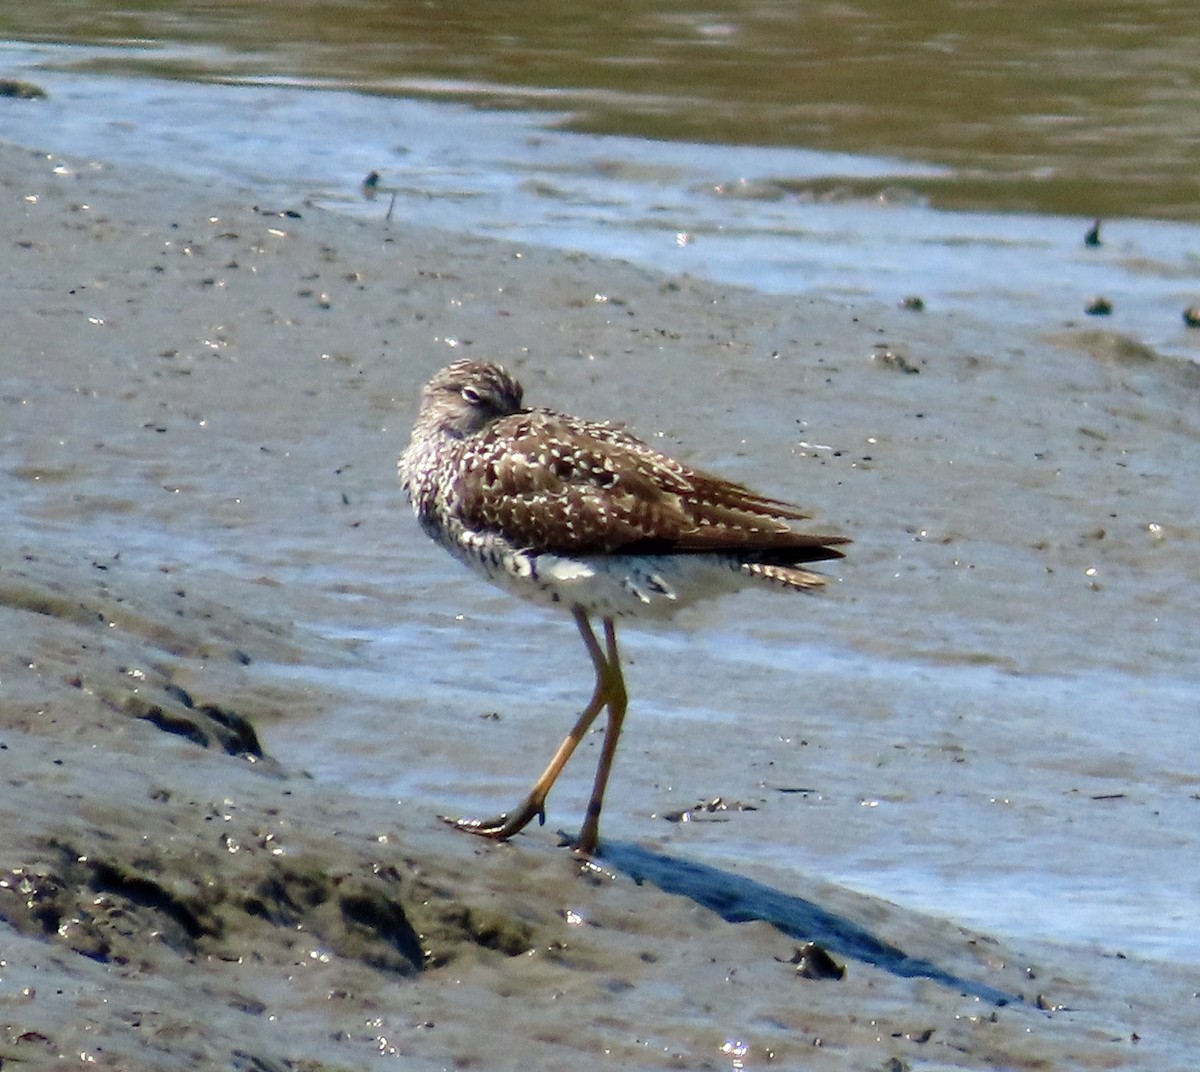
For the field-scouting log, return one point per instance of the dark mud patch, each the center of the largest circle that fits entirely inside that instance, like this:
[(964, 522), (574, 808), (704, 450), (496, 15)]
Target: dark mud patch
[(118, 910), (96, 897), (203, 725)]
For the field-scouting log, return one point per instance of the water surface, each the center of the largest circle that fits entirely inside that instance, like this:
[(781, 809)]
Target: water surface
[(1074, 108), (780, 219)]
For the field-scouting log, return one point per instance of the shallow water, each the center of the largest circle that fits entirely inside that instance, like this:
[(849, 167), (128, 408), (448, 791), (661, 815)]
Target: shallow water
[(1088, 109), (783, 220)]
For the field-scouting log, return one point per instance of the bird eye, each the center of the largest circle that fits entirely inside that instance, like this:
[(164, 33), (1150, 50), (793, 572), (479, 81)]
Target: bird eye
[(471, 396)]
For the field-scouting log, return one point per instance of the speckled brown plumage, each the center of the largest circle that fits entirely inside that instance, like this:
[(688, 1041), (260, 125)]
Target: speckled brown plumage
[(584, 514)]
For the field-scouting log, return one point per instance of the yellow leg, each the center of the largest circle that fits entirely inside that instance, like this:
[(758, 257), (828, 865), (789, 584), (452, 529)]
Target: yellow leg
[(618, 700), (507, 824)]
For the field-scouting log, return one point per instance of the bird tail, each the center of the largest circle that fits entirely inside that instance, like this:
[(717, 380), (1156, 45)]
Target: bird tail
[(788, 576)]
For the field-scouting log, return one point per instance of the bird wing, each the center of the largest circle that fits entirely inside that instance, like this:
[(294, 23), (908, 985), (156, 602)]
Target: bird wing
[(550, 482)]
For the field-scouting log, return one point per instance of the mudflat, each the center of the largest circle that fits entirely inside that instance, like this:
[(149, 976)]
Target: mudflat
[(201, 402)]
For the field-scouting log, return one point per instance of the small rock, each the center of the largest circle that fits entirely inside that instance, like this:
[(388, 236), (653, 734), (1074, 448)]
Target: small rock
[(813, 962), (21, 90), (1098, 306)]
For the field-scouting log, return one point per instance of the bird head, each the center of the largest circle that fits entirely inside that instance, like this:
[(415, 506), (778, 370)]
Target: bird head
[(466, 397)]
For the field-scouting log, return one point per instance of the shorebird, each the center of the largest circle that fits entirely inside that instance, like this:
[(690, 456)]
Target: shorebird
[(584, 515)]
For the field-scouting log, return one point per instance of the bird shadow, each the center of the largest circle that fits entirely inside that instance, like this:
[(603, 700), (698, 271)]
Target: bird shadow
[(737, 899)]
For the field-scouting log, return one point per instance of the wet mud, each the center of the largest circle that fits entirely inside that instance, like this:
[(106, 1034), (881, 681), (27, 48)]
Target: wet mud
[(202, 402)]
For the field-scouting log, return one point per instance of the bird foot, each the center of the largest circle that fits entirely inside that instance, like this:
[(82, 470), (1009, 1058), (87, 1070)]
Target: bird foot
[(584, 846), (502, 826)]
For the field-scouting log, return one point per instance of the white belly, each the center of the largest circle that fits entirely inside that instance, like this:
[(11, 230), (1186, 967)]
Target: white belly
[(616, 586)]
